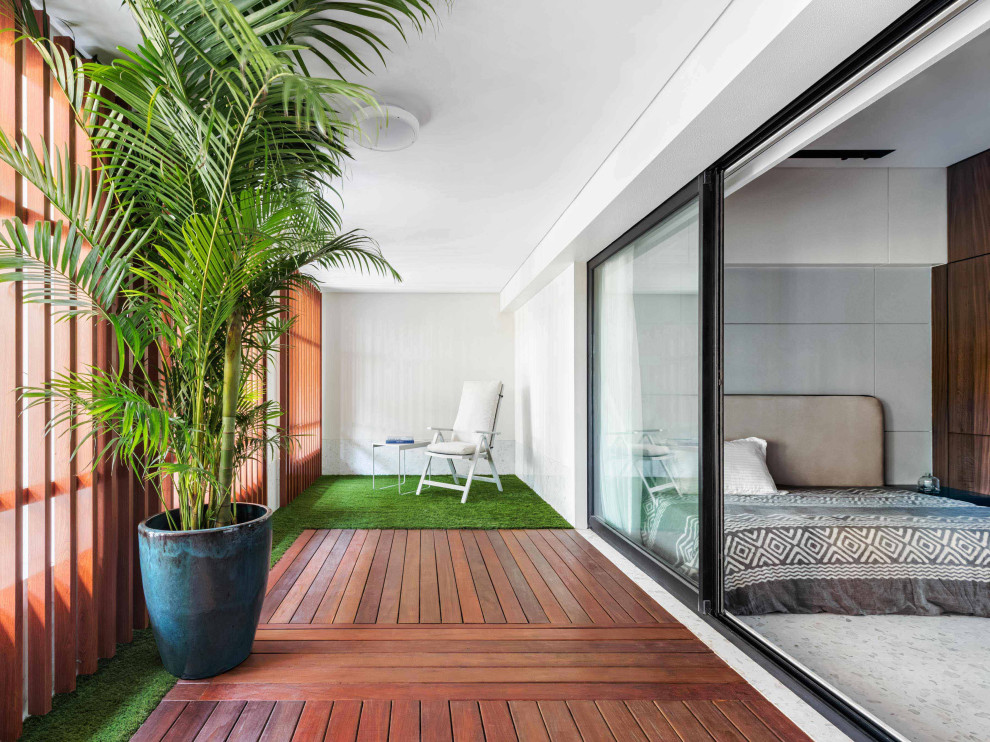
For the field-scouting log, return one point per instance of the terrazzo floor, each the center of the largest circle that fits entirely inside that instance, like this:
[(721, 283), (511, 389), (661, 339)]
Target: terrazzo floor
[(928, 677)]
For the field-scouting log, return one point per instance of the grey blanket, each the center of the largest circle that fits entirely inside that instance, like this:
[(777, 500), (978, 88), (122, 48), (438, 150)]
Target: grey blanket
[(849, 551)]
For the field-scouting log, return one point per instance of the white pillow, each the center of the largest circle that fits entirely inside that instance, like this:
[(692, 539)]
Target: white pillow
[(744, 468)]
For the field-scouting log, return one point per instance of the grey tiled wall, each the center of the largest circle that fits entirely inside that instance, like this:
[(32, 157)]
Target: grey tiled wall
[(838, 330)]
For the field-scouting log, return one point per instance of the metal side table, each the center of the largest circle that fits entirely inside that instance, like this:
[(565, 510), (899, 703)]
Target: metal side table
[(401, 449)]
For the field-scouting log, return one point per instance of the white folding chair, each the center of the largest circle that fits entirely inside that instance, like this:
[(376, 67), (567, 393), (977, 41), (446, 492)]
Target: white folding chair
[(471, 438), (648, 450)]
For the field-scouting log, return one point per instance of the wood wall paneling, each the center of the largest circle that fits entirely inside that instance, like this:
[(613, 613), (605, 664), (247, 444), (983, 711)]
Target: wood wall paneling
[(940, 373), (960, 326), (969, 325), (300, 393), (969, 207), (968, 462)]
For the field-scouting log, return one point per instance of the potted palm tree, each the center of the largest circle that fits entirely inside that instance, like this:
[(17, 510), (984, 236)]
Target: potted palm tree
[(217, 150)]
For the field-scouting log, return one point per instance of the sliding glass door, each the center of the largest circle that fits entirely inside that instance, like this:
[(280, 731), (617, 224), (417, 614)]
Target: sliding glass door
[(644, 317)]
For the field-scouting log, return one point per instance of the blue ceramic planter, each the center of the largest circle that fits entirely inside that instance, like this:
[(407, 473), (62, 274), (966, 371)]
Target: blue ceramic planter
[(204, 589)]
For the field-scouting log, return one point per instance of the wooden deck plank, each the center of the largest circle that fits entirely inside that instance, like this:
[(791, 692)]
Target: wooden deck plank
[(217, 727), (508, 602), (282, 723), (327, 610), (371, 596), (399, 656), (524, 691), (464, 635), (429, 588), (313, 721), (575, 612), (465, 721), (278, 592), (409, 595), (589, 721), (548, 602), (296, 593), (466, 594), (654, 724), (684, 722), (587, 579), (641, 596), (251, 723), (497, 721), (750, 726), (351, 598), (560, 723), (404, 722), (471, 631), (528, 721), (344, 719), (629, 604), (453, 646), (190, 721), (621, 721), (491, 607), (435, 721), (388, 608), (596, 612), (527, 599), (318, 589), (715, 722), (774, 718), (450, 606), (374, 721), (160, 721)]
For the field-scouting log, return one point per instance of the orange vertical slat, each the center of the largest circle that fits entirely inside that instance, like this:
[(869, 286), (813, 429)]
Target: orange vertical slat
[(38, 493), (11, 568), (87, 595), (63, 442)]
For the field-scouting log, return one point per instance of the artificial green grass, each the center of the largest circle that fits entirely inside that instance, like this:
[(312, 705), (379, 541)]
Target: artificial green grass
[(112, 703), (349, 502)]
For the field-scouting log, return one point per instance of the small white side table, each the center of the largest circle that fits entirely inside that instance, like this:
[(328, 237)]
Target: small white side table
[(401, 449)]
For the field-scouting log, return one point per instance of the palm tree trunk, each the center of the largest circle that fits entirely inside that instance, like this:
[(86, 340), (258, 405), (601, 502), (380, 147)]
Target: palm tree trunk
[(231, 392)]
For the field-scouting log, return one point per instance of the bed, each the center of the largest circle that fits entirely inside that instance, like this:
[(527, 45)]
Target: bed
[(838, 540)]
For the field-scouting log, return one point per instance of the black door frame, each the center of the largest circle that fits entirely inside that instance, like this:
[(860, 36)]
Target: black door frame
[(684, 589), (707, 596)]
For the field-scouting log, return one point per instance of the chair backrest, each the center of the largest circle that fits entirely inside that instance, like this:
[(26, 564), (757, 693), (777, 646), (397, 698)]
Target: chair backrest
[(478, 410)]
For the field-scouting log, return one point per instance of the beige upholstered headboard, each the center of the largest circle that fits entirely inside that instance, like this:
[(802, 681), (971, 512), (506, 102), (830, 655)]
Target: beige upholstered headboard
[(813, 441)]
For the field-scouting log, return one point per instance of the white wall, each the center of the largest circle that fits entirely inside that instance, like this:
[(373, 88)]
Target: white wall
[(832, 330), (395, 364), (551, 389), (839, 216)]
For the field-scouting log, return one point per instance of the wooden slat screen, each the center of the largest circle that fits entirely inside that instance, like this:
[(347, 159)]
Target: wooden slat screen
[(70, 584), (300, 391)]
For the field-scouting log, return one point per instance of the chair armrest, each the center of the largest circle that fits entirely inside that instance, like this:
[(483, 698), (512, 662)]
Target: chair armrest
[(434, 427)]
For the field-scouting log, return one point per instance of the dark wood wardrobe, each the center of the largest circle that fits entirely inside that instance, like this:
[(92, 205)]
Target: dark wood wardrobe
[(961, 334)]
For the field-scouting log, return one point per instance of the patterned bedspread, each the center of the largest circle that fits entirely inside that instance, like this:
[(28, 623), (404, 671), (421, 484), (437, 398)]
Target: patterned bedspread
[(849, 551)]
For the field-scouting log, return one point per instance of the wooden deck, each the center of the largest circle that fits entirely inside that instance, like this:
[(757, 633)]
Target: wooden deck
[(465, 635)]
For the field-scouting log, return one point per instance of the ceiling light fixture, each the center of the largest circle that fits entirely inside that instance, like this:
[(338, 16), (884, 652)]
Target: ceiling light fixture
[(385, 128)]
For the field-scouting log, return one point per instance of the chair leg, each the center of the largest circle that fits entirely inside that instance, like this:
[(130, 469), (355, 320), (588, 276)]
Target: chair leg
[(491, 465), (470, 476), (453, 470), (426, 469)]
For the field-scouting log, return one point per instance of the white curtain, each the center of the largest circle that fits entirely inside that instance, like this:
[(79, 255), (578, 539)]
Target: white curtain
[(621, 396)]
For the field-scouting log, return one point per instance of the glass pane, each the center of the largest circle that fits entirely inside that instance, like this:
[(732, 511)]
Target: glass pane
[(646, 391)]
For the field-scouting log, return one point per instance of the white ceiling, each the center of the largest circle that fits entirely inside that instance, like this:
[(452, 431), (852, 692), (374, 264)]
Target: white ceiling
[(935, 119), (519, 101)]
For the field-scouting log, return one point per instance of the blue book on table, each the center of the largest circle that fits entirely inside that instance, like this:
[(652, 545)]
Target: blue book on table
[(399, 439)]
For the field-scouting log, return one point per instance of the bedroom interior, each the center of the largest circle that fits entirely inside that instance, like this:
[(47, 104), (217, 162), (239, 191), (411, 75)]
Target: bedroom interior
[(856, 357)]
